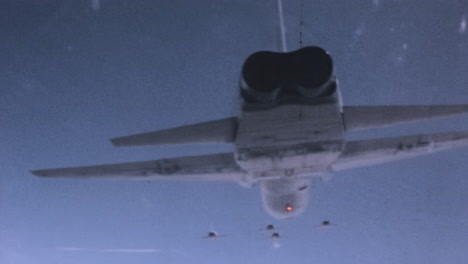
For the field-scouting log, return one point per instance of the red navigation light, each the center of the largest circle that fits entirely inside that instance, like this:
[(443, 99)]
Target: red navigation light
[(289, 208)]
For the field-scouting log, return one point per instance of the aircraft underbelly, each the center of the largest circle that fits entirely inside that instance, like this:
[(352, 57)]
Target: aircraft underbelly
[(290, 138)]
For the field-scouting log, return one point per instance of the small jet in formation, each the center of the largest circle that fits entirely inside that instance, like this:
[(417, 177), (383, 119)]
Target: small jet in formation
[(275, 236), (324, 224), (269, 228), (291, 129), (213, 235)]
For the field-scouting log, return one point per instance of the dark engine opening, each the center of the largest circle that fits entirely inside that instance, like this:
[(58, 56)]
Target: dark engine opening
[(312, 71), (262, 76), (271, 76)]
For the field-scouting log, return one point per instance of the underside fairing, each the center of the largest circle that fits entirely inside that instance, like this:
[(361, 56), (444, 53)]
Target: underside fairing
[(287, 197)]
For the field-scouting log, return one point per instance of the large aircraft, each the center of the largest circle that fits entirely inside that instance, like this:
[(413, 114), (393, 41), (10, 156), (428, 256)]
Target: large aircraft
[(291, 129)]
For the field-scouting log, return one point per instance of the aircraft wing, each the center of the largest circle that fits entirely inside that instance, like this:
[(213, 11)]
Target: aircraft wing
[(365, 117), (217, 131), (366, 153), (215, 167)]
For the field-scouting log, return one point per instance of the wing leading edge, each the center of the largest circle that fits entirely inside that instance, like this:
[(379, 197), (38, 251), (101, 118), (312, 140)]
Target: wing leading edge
[(214, 167), (372, 152)]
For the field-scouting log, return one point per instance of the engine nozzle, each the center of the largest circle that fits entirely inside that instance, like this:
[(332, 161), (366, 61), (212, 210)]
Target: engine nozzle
[(262, 76), (312, 68), (268, 76)]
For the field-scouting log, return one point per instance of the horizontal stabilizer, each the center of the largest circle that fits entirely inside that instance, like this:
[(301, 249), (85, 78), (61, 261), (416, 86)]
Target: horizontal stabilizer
[(214, 167), (218, 131), (364, 117), (366, 153)]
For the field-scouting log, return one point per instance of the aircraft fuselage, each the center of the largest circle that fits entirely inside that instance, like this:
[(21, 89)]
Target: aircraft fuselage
[(290, 126)]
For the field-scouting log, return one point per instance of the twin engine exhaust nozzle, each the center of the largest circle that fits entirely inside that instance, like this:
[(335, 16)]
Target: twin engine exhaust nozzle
[(307, 72)]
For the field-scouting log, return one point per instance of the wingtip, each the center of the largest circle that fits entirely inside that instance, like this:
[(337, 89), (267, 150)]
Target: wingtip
[(38, 173), (117, 142)]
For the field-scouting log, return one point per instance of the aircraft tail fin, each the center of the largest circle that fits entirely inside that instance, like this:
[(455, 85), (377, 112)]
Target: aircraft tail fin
[(365, 117), (217, 131)]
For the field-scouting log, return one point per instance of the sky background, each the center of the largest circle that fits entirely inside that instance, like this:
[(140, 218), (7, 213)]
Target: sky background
[(76, 73)]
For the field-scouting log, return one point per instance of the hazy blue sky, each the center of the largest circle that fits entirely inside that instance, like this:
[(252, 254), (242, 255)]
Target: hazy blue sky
[(76, 73)]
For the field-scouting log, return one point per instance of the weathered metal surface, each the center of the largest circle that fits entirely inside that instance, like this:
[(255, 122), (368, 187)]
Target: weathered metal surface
[(372, 152), (219, 167), (289, 137)]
